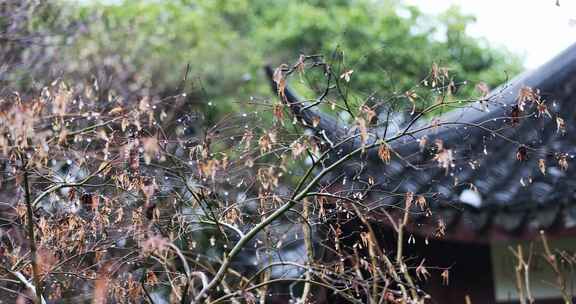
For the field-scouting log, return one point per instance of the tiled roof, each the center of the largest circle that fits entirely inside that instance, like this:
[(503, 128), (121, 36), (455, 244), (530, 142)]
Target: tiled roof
[(488, 193)]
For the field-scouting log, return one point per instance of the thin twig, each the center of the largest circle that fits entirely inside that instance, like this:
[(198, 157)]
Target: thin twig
[(31, 235)]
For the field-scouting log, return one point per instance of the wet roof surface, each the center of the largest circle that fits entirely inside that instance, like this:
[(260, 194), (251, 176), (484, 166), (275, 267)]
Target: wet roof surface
[(491, 191), (495, 187)]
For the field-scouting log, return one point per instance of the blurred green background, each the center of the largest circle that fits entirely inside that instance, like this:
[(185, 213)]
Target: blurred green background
[(134, 48)]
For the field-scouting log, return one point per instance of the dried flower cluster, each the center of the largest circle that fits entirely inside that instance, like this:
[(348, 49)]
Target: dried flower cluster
[(113, 201)]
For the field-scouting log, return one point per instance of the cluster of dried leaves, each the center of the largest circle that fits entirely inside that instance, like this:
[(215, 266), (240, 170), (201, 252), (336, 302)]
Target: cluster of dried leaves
[(111, 200), (124, 201)]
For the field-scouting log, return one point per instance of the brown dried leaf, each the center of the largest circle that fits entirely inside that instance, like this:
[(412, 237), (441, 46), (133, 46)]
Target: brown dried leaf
[(346, 75), (249, 162), (247, 139), (62, 137), (563, 161), (87, 200), (116, 110), (445, 277), (154, 244), (438, 74), (61, 99), (297, 148), (72, 194), (526, 95), (369, 113), (266, 141), (542, 166), (542, 108), (560, 125), (151, 278), (440, 229), (384, 153), (515, 115), (483, 88), (408, 199), (278, 113), (151, 148), (422, 142), (444, 157), (522, 153), (315, 121), (412, 96), (421, 202), (280, 80), (421, 272), (299, 66), (365, 238)]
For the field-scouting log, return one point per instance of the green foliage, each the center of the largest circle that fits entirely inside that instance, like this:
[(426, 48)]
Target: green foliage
[(148, 44)]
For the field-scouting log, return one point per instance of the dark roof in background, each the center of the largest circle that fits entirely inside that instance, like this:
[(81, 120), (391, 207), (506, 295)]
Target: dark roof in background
[(488, 194)]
